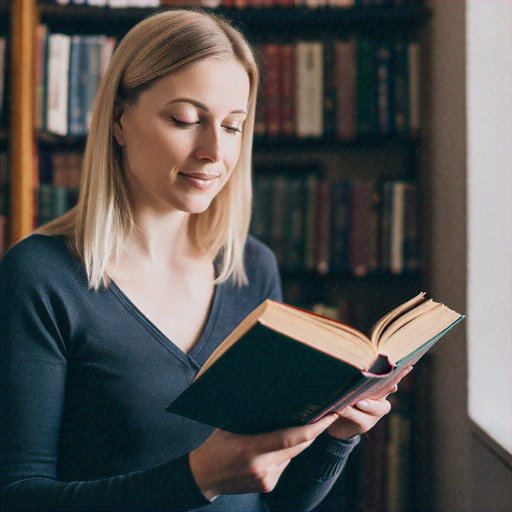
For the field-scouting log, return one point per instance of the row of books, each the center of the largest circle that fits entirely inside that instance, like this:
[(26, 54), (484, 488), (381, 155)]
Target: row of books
[(338, 226), (310, 89), (235, 4), (339, 89), (68, 70), (59, 176)]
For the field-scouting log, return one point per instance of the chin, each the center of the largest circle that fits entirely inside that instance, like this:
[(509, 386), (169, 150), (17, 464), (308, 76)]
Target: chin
[(196, 207)]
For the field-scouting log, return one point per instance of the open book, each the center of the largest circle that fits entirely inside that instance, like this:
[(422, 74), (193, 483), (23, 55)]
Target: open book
[(284, 366)]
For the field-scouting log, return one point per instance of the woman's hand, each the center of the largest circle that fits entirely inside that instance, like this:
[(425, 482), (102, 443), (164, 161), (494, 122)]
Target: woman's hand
[(233, 464), (362, 416)]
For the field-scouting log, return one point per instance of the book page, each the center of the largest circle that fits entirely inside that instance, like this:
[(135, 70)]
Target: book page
[(384, 322), (419, 330)]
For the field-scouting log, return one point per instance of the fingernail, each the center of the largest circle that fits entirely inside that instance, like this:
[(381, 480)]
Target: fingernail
[(362, 404)]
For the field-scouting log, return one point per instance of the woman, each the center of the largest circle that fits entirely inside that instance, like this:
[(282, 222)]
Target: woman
[(110, 311)]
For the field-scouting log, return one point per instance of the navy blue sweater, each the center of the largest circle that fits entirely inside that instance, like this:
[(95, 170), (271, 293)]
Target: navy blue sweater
[(86, 378)]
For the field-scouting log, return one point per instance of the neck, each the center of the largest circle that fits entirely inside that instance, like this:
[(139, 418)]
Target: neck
[(161, 239)]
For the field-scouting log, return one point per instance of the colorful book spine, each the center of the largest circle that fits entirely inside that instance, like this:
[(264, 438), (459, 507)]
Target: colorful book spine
[(75, 113), (59, 47)]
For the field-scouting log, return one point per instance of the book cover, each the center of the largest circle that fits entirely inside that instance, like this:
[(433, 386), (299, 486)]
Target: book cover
[(284, 367)]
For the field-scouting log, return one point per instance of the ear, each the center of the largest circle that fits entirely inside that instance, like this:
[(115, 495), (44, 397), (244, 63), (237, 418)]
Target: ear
[(118, 126)]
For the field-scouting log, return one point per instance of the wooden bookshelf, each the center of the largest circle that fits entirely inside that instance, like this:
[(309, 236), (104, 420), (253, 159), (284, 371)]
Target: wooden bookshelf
[(24, 19)]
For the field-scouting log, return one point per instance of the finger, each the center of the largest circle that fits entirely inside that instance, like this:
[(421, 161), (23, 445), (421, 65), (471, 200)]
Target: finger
[(377, 408), (291, 441)]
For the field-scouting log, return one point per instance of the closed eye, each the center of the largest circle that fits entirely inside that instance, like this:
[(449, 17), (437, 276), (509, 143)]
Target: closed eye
[(232, 129), (183, 124)]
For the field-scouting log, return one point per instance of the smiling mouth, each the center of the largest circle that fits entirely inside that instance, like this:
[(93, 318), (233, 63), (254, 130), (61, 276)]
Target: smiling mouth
[(199, 181)]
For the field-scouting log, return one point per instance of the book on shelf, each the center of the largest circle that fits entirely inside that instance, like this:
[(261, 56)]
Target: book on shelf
[(340, 89), (345, 84), (347, 225), (309, 93), (3, 68), (284, 366), (59, 46), (68, 69)]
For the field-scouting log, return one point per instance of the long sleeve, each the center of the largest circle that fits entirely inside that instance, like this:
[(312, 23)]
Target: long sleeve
[(34, 374), (311, 475)]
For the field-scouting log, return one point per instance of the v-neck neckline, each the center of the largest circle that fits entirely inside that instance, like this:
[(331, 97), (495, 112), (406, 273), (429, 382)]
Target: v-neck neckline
[(197, 348)]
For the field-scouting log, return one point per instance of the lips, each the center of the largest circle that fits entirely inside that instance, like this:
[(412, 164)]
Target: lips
[(200, 181)]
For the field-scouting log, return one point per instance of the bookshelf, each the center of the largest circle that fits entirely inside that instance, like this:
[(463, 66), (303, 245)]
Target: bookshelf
[(376, 156)]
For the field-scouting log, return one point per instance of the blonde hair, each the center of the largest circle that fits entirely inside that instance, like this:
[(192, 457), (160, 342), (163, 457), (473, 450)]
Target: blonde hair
[(157, 46)]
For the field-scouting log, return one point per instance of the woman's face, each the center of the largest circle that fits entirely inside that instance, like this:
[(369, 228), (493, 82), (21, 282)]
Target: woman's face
[(182, 138)]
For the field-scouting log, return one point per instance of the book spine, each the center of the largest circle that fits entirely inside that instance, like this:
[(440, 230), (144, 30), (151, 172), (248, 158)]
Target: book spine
[(339, 226), (412, 256), (329, 107), (58, 81), (278, 228), (272, 89), (360, 227), (414, 88), (39, 74), (397, 457), (311, 199), (287, 90), (397, 228), (384, 89), (75, 101), (94, 44), (323, 227), (401, 88), (366, 88), (309, 91), (295, 226), (345, 78)]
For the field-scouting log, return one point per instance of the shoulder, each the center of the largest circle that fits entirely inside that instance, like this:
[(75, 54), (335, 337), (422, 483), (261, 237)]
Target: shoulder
[(38, 256), (262, 269), (259, 256)]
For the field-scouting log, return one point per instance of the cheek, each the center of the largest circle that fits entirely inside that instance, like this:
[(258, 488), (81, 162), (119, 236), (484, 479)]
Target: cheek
[(150, 150), (233, 155)]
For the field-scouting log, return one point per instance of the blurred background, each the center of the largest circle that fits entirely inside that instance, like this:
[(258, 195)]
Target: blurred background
[(382, 167)]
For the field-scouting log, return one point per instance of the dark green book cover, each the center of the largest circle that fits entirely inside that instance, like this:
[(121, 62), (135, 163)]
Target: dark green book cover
[(267, 381)]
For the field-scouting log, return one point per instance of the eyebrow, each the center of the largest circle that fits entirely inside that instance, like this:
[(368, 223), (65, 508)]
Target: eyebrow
[(201, 105)]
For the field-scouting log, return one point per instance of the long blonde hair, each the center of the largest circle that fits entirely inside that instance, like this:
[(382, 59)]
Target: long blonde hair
[(157, 46)]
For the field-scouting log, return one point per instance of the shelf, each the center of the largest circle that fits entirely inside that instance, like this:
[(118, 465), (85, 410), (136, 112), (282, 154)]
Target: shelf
[(282, 145), (350, 280), (267, 23)]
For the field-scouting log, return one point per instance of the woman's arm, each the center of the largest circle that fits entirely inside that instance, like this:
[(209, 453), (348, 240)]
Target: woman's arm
[(34, 371)]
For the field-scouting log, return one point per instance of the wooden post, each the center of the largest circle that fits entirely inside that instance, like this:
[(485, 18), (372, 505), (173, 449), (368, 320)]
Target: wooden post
[(23, 167)]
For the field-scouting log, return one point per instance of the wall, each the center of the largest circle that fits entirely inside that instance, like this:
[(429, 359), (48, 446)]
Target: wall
[(489, 97), (457, 455)]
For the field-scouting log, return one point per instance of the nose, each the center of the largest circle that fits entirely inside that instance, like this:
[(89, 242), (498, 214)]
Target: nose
[(209, 147)]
